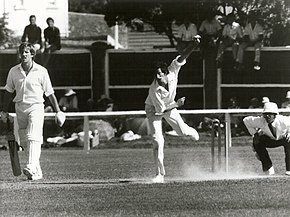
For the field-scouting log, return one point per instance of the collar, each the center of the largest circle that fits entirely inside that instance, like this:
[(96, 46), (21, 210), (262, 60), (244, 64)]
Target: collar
[(34, 66)]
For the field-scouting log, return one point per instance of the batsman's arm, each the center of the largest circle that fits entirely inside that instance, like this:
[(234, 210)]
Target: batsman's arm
[(54, 103)]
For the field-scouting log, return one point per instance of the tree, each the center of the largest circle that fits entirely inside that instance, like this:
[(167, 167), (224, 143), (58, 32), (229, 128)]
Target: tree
[(6, 39), (87, 6), (161, 14)]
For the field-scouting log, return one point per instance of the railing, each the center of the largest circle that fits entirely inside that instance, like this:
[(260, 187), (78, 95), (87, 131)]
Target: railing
[(226, 112)]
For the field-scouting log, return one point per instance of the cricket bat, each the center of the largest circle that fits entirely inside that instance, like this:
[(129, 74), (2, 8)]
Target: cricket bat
[(13, 150)]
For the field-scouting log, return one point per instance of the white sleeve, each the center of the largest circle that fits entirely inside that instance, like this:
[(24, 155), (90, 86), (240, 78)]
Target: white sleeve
[(252, 123), (47, 86), (10, 87), (175, 65)]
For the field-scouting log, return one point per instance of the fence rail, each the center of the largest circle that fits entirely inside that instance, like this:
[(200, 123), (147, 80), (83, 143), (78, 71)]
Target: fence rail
[(226, 112)]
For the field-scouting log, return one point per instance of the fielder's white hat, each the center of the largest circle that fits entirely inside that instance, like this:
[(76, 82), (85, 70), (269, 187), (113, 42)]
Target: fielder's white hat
[(270, 107), (69, 92), (288, 95), (265, 99)]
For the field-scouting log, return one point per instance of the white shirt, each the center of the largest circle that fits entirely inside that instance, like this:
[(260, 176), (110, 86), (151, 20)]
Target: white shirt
[(158, 96), (281, 124), (232, 31), (210, 28), (253, 33), (31, 87), (187, 34)]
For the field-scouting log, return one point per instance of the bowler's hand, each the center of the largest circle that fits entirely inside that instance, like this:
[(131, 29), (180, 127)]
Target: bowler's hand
[(4, 116), (196, 38), (180, 102)]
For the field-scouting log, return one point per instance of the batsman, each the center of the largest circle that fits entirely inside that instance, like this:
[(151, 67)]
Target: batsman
[(30, 81)]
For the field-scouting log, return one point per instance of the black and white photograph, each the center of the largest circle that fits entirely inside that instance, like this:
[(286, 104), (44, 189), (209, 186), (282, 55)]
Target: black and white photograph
[(130, 108)]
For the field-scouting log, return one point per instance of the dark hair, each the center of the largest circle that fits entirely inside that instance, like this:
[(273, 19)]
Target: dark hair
[(32, 16), (163, 66), (27, 45), (48, 19)]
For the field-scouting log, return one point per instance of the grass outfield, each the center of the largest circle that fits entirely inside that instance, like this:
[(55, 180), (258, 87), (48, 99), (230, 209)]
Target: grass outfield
[(116, 182)]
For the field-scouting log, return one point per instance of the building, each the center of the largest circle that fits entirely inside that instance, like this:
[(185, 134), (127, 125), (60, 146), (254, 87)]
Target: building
[(17, 13)]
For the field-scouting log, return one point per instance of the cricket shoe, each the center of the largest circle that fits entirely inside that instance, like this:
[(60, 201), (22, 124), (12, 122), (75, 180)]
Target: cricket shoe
[(287, 173), (270, 171), (158, 179), (31, 175)]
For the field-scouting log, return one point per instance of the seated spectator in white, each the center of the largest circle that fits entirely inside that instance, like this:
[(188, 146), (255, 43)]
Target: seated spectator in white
[(231, 36), (186, 33), (253, 36)]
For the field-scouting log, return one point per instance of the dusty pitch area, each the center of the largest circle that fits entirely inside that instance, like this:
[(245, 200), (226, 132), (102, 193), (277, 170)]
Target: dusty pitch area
[(117, 182)]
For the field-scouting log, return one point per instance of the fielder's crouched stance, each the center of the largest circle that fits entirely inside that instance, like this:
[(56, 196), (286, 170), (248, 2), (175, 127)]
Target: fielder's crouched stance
[(30, 81), (270, 131), (160, 104)]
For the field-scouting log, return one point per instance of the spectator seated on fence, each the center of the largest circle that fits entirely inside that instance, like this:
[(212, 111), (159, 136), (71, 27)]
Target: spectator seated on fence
[(231, 36), (51, 40), (286, 104), (253, 36), (32, 34), (186, 33), (69, 102), (210, 30)]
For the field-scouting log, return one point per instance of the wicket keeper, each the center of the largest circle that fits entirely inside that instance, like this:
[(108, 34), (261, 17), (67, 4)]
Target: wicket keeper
[(270, 130), (160, 103), (30, 81)]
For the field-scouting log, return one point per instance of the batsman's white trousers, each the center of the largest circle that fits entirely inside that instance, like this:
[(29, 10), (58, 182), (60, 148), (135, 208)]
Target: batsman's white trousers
[(173, 118), (30, 118)]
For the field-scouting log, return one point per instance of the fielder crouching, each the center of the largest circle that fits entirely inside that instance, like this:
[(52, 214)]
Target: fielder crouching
[(160, 103), (30, 81), (270, 130)]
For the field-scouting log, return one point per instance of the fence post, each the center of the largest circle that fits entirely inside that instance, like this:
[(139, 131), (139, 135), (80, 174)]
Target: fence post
[(227, 140), (86, 134), (219, 91)]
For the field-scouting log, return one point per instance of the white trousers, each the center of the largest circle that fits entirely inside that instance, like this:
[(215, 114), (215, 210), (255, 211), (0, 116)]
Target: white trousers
[(174, 119), (30, 118)]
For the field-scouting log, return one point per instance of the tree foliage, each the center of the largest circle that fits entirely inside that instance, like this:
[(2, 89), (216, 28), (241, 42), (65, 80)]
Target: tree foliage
[(87, 6), (274, 15), (6, 39)]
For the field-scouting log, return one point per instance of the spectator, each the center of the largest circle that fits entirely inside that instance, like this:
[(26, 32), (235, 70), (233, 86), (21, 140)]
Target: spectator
[(105, 103), (210, 32), (254, 103), (186, 33), (235, 120), (32, 34), (51, 40), (265, 99), (231, 36), (69, 102), (253, 36), (286, 104)]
